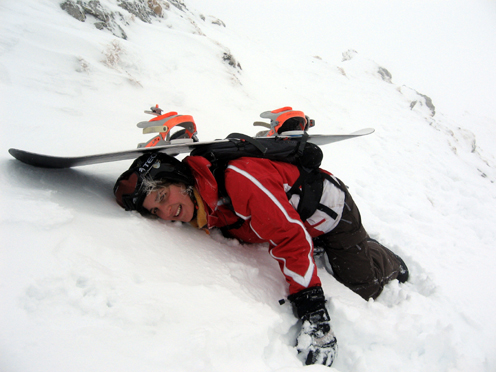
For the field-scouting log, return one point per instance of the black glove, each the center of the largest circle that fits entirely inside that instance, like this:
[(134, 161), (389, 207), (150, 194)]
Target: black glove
[(316, 340)]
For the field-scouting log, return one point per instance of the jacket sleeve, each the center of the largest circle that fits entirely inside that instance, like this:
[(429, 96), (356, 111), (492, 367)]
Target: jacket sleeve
[(256, 189)]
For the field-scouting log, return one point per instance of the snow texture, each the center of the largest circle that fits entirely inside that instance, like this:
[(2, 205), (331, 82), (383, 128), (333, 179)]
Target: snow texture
[(86, 286)]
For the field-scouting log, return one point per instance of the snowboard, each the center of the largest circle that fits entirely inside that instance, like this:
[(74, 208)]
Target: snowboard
[(176, 147)]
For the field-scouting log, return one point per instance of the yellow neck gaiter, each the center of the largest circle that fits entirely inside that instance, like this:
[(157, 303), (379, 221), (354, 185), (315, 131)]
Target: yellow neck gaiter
[(200, 221)]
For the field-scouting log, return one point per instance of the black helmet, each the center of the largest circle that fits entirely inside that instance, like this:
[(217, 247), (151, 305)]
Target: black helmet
[(128, 189)]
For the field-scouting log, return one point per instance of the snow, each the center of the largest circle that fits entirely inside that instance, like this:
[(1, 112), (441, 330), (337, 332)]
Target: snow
[(87, 286)]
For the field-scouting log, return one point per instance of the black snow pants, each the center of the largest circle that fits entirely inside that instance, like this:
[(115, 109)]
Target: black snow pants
[(359, 262)]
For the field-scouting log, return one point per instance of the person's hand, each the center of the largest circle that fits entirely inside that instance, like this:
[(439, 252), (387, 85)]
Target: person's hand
[(316, 341)]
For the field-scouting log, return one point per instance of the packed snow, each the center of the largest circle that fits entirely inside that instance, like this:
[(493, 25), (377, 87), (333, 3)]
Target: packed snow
[(86, 286)]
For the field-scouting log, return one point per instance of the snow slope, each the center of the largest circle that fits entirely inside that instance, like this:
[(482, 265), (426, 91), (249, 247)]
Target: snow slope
[(86, 286)]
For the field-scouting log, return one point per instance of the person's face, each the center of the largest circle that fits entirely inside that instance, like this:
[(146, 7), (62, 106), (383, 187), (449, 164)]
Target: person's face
[(171, 203)]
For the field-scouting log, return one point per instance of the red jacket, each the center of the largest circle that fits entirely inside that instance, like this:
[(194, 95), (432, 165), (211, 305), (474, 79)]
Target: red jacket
[(257, 189)]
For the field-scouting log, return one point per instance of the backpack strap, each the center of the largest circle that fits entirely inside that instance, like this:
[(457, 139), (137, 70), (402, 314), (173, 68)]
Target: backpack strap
[(310, 186), (325, 208), (248, 139), (338, 183), (233, 226), (303, 141)]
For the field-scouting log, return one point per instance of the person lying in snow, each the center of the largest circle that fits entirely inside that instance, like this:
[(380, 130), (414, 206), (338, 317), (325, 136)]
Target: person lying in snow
[(161, 185)]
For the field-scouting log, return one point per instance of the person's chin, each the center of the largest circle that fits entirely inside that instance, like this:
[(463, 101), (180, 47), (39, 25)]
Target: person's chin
[(187, 216)]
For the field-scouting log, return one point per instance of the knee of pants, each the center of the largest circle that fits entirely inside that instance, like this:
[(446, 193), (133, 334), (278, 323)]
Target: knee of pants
[(364, 268), (352, 265)]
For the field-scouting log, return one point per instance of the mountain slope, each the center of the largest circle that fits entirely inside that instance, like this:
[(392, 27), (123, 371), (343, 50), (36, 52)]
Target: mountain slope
[(85, 285)]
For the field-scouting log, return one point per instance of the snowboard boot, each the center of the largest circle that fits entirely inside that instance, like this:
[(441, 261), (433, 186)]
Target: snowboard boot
[(404, 274)]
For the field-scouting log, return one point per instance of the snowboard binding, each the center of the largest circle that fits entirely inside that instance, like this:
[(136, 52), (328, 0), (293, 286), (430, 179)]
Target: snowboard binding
[(285, 120), (164, 124)]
